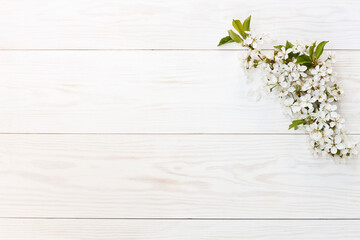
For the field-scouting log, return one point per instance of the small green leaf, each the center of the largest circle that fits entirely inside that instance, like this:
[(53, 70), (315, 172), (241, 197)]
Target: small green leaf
[(288, 45), (293, 55), (279, 47), (225, 40), (247, 24), (303, 59), (239, 27), (295, 124), (311, 50), (235, 37), (320, 48)]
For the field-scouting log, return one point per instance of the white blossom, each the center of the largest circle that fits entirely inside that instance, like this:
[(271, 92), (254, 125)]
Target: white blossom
[(308, 92)]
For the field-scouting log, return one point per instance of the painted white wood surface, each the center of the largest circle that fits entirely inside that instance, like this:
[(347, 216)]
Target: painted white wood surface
[(145, 92), (152, 162), (172, 176), (90, 229), (170, 24)]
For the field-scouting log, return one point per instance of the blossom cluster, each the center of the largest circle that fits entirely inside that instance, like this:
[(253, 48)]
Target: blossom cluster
[(302, 78)]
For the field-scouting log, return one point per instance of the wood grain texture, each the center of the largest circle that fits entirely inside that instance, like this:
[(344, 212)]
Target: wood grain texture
[(196, 176), (160, 177), (145, 92), (170, 24), (39, 229)]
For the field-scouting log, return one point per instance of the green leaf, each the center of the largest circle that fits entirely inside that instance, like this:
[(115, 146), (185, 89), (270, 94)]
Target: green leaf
[(303, 59), (247, 24), (295, 124), (311, 50), (293, 55), (288, 45), (225, 40), (239, 27), (235, 37), (279, 47), (320, 48)]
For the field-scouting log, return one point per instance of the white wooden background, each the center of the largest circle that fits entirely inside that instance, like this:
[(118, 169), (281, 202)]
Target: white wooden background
[(121, 119)]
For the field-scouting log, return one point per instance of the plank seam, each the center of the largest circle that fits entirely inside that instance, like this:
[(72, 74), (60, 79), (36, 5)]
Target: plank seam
[(186, 219), (167, 134), (218, 50)]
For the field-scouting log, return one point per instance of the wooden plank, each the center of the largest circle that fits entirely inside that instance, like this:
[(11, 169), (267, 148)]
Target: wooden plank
[(144, 92), (170, 24), (90, 229), (172, 176)]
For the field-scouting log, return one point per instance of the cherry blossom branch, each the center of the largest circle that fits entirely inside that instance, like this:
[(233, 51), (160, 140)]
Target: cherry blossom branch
[(301, 76)]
